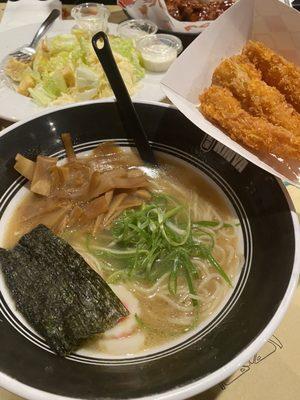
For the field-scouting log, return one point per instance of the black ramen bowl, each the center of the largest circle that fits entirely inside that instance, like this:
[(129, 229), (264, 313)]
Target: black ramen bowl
[(232, 336)]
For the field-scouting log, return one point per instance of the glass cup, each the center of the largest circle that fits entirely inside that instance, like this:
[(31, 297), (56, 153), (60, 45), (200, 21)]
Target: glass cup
[(136, 28), (159, 51), (91, 17)]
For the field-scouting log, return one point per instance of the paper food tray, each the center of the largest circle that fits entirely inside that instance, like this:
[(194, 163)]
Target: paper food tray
[(269, 21)]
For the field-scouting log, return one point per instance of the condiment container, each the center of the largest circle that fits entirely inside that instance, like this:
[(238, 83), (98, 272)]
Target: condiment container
[(159, 51), (136, 28), (91, 17)]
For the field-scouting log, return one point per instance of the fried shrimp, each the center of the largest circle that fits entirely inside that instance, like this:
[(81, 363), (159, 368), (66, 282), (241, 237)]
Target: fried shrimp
[(276, 71), (259, 99), (222, 108), (229, 68)]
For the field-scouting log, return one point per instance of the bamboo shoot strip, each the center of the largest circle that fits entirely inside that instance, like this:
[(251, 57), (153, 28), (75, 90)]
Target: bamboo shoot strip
[(70, 301)]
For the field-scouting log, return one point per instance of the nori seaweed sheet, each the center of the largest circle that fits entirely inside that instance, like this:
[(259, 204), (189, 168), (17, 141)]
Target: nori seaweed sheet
[(59, 294)]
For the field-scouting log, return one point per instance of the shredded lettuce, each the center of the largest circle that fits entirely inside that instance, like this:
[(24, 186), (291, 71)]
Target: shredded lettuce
[(61, 43), (58, 62), (54, 84), (66, 69), (86, 95), (40, 96), (126, 48), (86, 78)]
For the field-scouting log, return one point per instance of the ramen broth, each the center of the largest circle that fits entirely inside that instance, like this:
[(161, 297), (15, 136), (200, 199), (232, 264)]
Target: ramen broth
[(157, 316)]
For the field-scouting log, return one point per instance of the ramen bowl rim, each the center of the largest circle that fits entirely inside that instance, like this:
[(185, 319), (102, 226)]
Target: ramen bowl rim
[(217, 376)]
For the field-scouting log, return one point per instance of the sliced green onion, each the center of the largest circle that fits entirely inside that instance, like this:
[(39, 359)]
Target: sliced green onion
[(219, 269), (213, 224), (159, 238)]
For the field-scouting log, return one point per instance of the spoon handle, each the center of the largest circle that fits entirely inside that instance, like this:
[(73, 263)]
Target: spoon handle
[(130, 120), (44, 27)]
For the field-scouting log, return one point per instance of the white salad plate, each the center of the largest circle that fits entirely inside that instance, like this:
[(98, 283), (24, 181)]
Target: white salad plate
[(15, 107)]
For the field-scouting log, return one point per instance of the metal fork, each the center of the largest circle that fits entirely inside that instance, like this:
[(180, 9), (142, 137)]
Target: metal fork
[(25, 53)]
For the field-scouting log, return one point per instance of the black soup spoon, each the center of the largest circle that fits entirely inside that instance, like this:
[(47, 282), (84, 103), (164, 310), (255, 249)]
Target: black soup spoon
[(128, 115)]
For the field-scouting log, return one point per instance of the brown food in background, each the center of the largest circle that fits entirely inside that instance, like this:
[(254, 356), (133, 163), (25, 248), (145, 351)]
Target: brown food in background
[(276, 71), (196, 10), (222, 108)]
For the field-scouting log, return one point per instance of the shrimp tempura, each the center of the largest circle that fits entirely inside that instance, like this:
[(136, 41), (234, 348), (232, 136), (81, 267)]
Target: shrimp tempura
[(243, 80), (219, 106), (276, 71)]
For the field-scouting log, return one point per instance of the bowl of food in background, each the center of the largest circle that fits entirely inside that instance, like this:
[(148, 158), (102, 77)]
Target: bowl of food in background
[(113, 271), (184, 18)]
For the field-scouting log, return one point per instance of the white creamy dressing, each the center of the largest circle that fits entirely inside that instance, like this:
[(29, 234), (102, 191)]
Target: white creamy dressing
[(158, 57)]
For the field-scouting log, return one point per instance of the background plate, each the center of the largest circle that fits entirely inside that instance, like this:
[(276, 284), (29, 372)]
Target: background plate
[(15, 107)]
